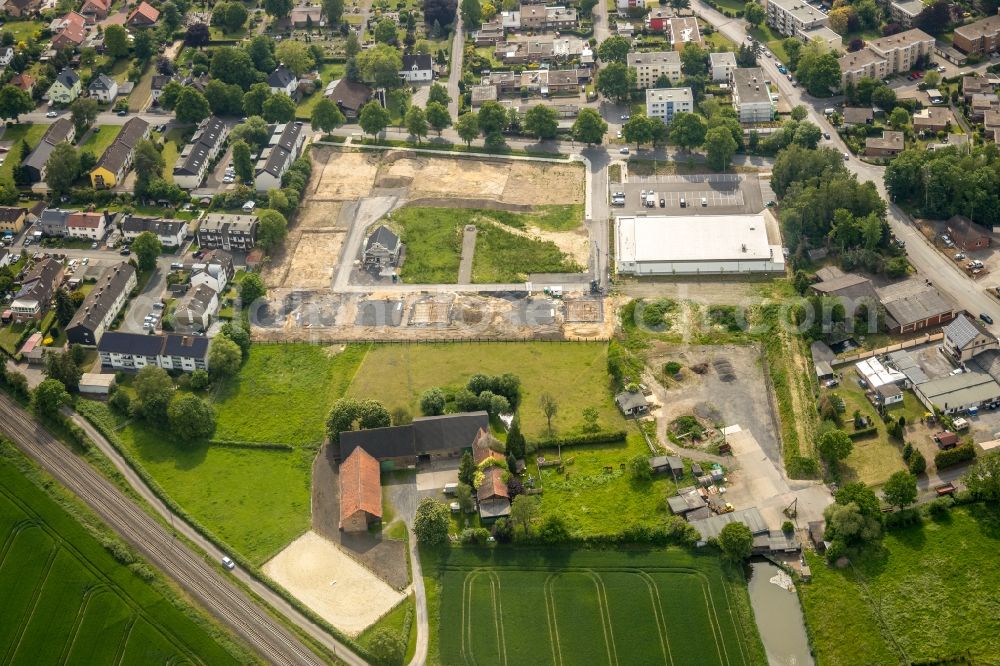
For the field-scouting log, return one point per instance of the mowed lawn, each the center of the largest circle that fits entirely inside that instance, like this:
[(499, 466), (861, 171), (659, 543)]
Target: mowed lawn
[(15, 134), (575, 373), (935, 586), (520, 606), (67, 600), (100, 137), (283, 393)]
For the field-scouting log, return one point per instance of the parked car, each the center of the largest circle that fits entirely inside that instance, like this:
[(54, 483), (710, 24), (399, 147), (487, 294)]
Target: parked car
[(51, 114), (663, 203), (123, 113), (986, 318), (125, 252), (623, 151), (228, 562)]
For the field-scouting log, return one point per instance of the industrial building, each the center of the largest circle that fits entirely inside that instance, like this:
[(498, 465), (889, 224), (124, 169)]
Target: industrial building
[(696, 244)]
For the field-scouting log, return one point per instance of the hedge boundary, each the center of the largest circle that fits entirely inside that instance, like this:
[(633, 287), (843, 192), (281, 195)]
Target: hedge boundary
[(601, 437), (250, 568)]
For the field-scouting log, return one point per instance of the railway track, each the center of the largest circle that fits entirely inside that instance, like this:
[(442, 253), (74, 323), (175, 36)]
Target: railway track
[(230, 604)]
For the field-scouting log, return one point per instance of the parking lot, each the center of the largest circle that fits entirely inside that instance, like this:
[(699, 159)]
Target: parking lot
[(721, 194)]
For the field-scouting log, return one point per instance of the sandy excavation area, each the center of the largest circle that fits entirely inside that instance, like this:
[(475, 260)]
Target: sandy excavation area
[(328, 581), (342, 176)]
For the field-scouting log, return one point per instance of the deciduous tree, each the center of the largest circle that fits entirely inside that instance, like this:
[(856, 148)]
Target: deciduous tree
[(687, 130), (224, 357), (373, 118), (736, 542), (589, 127), (901, 489), (438, 117), (116, 41), (14, 102), (62, 168), (191, 107), (431, 522), (242, 161), (326, 116), (49, 397), (279, 109), (467, 127), (541, 122), (190, 418), (272, 231), (614, 49), (294, 55), (719, 147), (147, 248), (416, 122)]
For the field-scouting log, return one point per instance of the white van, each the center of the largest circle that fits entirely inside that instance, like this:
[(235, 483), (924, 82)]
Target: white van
[(450, 488), (249, 206)]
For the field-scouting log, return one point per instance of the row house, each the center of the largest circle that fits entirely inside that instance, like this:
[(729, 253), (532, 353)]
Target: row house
[(101, 306), (282, 150), (117, 160), (170, 233), (134, 351), (207, 142)]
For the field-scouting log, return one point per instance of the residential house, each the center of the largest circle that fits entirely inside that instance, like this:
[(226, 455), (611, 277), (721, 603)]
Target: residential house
[(95, 10), (304, 16), (134, 351), (752, 98), (486, 92), (52, 222), (979, 37), (207, 142), (426, 438), (721, 66), (101, 306), (23, 81), (227, 231), (6, 55), (793, 18), (103, 88), (632, 403), (649, 67), (69, 32), (981, 103), (116, 161), (491, 494), (684, 30), (195, 310), (968, 235), (170, 233), (861, 64), (158, 83), (66, 87), (664, 103), (887, 145), (282, 150), (360, 492), (215, 269), (21, 8), (933, 119), (31, 302), (349, 96), (489, 33), (417, 68), (912, 309), (283, 81), (657, 20), (979, 84), (143, 16), (965, 337), (905, 12), (382, 248), (538, 17), (532, 17), (624, 5), (91, 226), (510, 20), (61, 130), (12, 219), (858, 115), (541, 50)]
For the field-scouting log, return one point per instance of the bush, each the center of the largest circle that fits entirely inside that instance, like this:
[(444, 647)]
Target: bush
[(907, 451), (954, 456), (939, 507), (474, 535), (904, 518), (602, 437), (917, 463), (671, 368), (787, 527)]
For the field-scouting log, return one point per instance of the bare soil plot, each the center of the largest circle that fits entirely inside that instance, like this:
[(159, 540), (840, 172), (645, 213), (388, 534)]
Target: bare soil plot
[(584, 310), (440, 177), (311, 263), (319, 215), (342, 176), (539, 182), (332, 584)]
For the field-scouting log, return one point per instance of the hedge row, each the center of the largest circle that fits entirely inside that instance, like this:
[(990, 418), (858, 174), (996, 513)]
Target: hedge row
[(601, 437), (954, 456), (232, 444), (103, 427), (864, 432)]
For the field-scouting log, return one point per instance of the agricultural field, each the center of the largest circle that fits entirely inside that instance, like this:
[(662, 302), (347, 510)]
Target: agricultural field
[(575, 373), (932, 586), (509, 246), (67, 600), (588, 607)]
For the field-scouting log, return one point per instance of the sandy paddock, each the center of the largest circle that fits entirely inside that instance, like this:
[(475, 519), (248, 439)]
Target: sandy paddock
[(342, 175), (333, 585)]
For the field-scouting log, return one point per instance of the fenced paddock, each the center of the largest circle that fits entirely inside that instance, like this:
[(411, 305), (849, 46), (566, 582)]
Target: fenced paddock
[(593, 607)]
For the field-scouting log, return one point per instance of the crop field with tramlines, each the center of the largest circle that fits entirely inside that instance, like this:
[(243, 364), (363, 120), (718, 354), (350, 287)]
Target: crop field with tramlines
[(592, 607), (64, 599)]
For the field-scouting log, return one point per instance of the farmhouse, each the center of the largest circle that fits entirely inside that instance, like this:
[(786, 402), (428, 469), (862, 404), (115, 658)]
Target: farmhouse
[(382, 248), (134, 351), (658, 245), (101, 306), (426, 437), (964, 338), (360, 492), (492, 494), (32, 300), (632, 403)]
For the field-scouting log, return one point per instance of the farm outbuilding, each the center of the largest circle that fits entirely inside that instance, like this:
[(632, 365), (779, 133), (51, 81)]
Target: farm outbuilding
[(663, 464), (696, 245), (632, 403), (360, 492), (710, 528), (685, 501), (95, 383)]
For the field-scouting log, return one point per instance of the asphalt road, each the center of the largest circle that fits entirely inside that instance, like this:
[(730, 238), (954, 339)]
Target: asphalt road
[(202, 580)]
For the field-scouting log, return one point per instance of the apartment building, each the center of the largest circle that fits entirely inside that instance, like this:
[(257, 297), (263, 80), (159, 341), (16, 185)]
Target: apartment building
[(651, 66), (979, 37), (283, 149), (192, 165), (905, 12), (101, 306), (665, 103), (227, 231), (134, 351), (752, 98), (861, 64), (684, 30), (793, 18), (539, 17), (170, 233), (721, 66), (901, 51)]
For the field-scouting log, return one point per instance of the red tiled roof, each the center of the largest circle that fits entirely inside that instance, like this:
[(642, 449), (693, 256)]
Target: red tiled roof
[(146, 11), (84, 220), (481, 447), (492, 485), (73, 28), (96, 5), (360, 486), (23, 81)]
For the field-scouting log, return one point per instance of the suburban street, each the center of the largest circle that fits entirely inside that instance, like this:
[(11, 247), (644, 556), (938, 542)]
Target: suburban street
[(204, 581)]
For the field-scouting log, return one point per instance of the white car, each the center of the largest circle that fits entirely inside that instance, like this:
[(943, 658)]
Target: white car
[(228, 179), (228, 563), (51, 114)]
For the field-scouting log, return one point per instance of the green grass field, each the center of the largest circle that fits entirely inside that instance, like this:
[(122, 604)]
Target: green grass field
[(934, 587), (574, 372), (66, 600), (433, 238), (100, 138), (23, 31), (588, 607), (32, 133)]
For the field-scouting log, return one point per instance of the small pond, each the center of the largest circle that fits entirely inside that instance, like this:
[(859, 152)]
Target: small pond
[(844, 346), (779, 615)]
